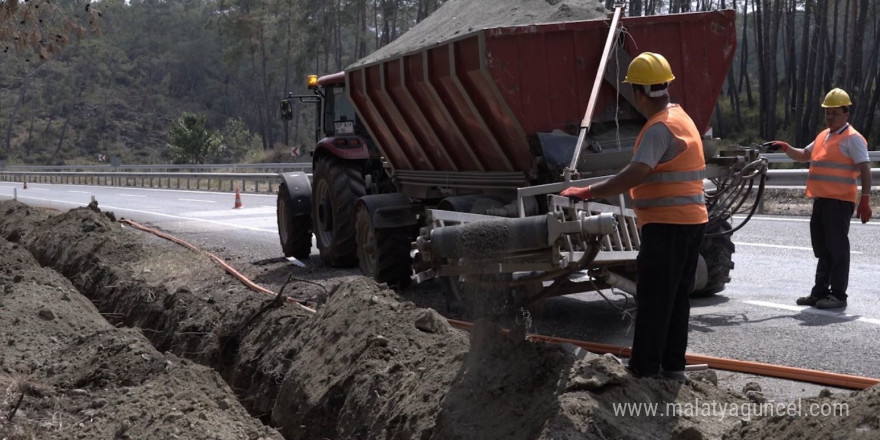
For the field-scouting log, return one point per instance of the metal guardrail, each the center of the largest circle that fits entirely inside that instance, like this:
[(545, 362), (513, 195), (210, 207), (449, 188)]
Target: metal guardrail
[(798, 177), (873, 156), (207, 177), (168, 168), (245, 182)]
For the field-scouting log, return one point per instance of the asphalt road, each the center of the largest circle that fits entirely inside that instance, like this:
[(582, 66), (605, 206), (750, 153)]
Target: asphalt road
[(754, 319)]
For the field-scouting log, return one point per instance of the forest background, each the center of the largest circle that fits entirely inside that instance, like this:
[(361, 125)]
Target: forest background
[(81, 82)]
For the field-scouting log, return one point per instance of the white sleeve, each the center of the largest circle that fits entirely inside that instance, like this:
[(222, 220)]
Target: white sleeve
[(855, 148)]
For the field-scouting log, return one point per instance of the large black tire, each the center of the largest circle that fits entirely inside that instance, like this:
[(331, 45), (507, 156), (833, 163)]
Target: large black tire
[(295, 231), (337, 185), (383, 254), (717, 251)]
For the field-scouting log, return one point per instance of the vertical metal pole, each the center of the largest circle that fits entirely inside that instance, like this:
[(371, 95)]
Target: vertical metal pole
[(594, 94)]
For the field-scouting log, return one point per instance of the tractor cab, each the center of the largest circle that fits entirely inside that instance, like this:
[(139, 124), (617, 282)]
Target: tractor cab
[(337, 126)]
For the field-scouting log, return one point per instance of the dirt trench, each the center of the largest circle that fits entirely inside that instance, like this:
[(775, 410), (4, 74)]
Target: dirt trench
[(135, 337)]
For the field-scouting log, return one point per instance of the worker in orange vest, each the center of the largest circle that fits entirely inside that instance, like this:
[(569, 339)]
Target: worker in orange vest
[(838, 158), (665, 180)]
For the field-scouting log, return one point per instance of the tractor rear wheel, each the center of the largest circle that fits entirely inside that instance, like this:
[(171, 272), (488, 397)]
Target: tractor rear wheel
[(717, 251), (383, 254), (337, 184)]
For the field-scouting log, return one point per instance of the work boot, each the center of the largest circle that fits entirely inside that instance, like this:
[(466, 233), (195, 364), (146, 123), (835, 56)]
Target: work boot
[(830, 302), (677, 376), (638, 374), (807, 301)]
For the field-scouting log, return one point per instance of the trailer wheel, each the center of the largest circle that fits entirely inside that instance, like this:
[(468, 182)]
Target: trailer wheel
[(383, 254), (717, 251), (295, 231), (337, 186)]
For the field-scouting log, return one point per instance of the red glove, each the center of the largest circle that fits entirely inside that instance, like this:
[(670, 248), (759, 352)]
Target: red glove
[(778, 146), (864, 209), (578, 193)]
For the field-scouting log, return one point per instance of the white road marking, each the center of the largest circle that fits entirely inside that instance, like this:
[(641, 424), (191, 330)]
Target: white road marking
[(131, 195), (79, 192), (197, 200), (854, 221), (779, 246), (231, 212), (191, 191), (808, 309), (213, 222), (775, 218)]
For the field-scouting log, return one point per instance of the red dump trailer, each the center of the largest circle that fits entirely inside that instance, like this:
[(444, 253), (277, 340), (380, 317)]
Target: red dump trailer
[(427, 149), (470, 104)]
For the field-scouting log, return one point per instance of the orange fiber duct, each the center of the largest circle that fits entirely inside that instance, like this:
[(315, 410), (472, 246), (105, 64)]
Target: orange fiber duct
[(250, 284), (757, 368)]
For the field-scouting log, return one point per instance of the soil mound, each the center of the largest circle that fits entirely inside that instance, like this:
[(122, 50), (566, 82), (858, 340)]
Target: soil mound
[(198, 350), (853, 417), (66, 373)]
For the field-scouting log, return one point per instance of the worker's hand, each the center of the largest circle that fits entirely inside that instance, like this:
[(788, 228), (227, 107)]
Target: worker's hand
[(578, 193), (864, 209), (774, 146)]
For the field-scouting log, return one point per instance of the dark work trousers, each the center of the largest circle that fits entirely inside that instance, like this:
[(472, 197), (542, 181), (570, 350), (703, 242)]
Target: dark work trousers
[(666, 264), (829, 233)]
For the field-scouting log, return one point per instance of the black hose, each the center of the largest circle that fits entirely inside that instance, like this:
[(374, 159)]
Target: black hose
[(732, 193)]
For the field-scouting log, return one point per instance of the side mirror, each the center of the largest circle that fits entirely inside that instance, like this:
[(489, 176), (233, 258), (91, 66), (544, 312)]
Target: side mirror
[(286, 110)]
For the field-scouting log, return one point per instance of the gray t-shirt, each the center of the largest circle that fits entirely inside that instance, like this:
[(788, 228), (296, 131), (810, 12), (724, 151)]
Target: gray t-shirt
[(852, 147), (658, 145)]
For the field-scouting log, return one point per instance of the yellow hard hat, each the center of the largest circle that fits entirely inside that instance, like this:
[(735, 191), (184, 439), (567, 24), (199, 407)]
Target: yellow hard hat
[(836, 98), (648, 69)]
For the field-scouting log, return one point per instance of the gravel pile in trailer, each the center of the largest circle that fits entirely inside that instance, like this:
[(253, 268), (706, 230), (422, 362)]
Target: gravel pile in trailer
[(460, 17)]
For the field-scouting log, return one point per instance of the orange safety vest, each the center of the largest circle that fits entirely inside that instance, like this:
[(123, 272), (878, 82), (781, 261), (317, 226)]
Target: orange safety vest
[(673, 192), (833, 175)]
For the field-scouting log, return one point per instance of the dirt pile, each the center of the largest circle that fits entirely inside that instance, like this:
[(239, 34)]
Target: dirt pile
[(66, 373), (853, 417), (460, 17), (366, 365), (182, 301)]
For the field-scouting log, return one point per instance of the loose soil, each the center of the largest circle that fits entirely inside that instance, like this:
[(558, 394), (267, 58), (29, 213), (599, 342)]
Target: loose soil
[(112, 332), (457, 18)]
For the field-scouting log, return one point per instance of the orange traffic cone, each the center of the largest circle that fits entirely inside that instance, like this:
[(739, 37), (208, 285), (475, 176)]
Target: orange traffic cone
[(25, 184), (237, 199)]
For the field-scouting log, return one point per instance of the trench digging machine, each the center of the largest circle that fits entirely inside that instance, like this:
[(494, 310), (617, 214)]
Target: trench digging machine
[(444, 163)]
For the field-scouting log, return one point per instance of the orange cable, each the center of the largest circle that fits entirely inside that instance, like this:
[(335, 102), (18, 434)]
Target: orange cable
[(758, 368), (229, 269)]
